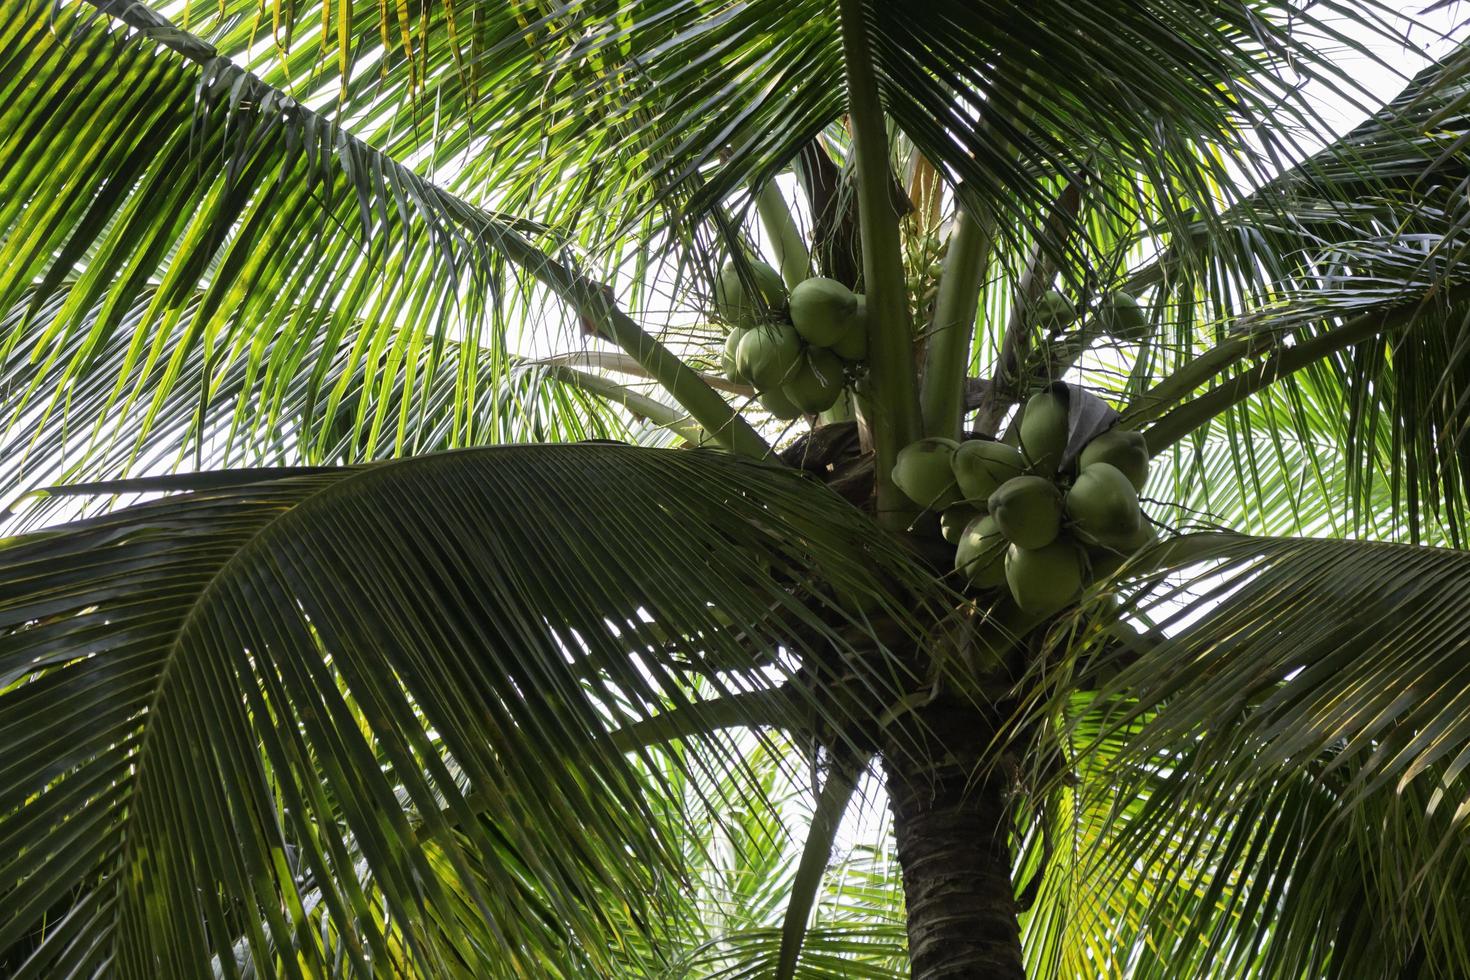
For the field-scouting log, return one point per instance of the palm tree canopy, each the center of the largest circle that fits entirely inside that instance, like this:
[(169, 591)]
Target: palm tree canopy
[(315, 678)]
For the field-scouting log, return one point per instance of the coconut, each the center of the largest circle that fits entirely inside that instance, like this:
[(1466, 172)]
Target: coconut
[(1028, 510), (779, 404), (1122, 448), (1103, 506), (1044, 580), (953, 521), (768, 354), (1053, 310), (735, 303), (981, 466), (853, 344), (924, 474), (980, 553), (727, 358), (822, 310), (1123, 317), (817, 381), (1043, 432)]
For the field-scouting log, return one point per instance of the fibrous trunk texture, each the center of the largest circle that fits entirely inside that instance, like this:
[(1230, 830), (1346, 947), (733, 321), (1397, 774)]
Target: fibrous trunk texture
[(951, 820)]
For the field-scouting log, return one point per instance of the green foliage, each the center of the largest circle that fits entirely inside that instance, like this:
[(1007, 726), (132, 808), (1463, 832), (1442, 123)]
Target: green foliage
[(1267, 771), (406, 718), (552, 712)]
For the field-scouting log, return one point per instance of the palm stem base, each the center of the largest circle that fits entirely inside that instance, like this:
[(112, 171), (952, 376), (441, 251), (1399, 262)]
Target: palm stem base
[(951, 820)]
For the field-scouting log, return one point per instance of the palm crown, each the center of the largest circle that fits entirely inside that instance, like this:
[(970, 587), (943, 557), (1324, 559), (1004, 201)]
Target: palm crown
[(303, 670)]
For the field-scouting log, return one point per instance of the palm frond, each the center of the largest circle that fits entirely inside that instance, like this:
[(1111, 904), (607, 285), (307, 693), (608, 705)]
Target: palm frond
[(402, 723), (1279, 757), (1341, 284), (214, 229)]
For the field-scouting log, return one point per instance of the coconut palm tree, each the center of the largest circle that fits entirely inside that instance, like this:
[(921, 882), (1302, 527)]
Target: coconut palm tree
[(401, 583)]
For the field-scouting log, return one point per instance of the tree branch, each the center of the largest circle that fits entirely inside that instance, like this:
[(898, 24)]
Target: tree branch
[(947, 352), (1188, 377), (749, 709), (791, 254), (1288, 360), (623, 364), (837, 792), (640, 405)]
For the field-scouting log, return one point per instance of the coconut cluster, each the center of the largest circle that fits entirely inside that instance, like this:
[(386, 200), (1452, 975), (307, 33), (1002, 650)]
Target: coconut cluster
[(1018, 519), (796, 351)]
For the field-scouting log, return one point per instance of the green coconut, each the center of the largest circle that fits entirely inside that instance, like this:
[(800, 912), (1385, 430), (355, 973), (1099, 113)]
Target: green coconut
[(956, 518), (817, 381), (981, 466), (1044, 580), (1123, 317), (1123, 448), (1103, 506), (1053, 310), (1044, 432), (980, 553), (853, 344), (735, 303), (779, 404), (822, 310), (727, 358), (1028, 510), (768, 354), (924, 474)]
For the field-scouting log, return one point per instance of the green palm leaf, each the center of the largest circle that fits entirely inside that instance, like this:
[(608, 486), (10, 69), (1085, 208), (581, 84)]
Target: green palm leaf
[(334, 664), (225, 231), (1278, 758)]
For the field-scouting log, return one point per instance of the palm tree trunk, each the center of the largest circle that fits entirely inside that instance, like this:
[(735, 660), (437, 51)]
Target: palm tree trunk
[(951, 819)]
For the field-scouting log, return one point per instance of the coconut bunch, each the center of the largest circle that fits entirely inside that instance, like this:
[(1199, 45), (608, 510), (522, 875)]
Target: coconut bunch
[(1018, 519), (797, 351)]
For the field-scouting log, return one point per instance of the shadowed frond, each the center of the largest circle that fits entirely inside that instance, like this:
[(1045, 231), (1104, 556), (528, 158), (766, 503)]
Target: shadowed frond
[(1276, 759), (400, 720), (1341, 283)]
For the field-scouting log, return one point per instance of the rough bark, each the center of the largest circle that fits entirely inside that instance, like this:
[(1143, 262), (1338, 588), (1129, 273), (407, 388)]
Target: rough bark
[(951, 820)]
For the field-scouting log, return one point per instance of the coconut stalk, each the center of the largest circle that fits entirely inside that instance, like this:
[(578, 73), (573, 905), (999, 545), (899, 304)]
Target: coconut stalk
[(792, 257), (947, 353), (892, 394)]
